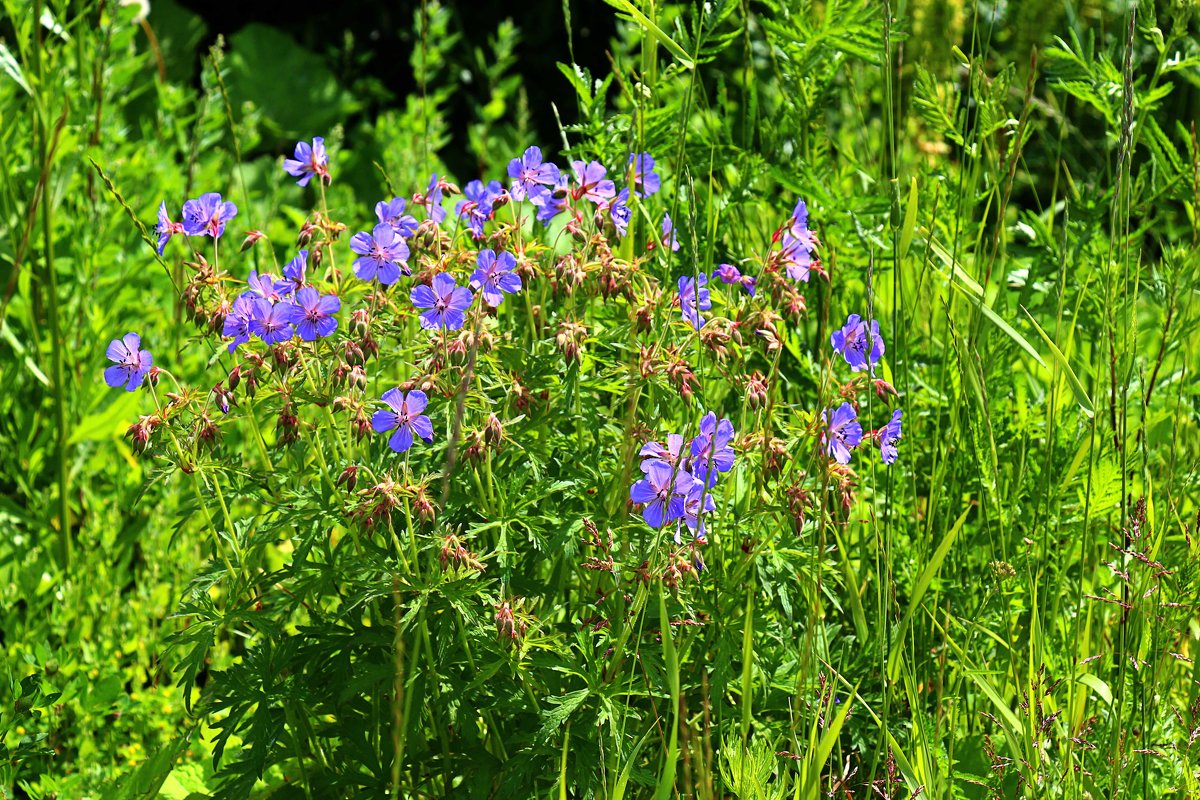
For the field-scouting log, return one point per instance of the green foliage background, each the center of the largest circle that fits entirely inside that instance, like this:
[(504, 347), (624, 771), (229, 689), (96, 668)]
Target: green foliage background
[(1010, 187)]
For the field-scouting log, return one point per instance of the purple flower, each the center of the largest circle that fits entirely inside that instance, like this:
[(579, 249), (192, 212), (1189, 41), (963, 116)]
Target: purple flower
[(728, 274), (431, 201), (295, 270), (645, 179), (165, 227), (446, 302), (551, 201), (271, 323), (662, 491), (207, 215), (592, 184), (392, 213), (798, 227), (494, 276), (381, 254), (796, 258), (237, 321), (711, 450), (529, 174), (655, 452), (694, 297), (405, 418), (668, 238), (696, 504), (477, 208), (312, 313), (888, 438), (309, 160), (852, 342), (843, 432), (619, 212), (267, 287), (130, 362)]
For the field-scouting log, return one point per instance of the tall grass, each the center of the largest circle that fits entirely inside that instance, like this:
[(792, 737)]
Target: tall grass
[(1008, 189)]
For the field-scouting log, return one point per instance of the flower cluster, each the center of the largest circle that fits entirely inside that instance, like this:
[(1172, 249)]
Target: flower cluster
[(276, 310), (797, 245), (205, 215), (861, 345), (679, 478), (476, 253)]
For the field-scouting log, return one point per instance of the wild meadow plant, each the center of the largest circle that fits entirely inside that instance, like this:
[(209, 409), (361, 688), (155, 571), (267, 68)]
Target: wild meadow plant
[(376, 455), (616, 502)]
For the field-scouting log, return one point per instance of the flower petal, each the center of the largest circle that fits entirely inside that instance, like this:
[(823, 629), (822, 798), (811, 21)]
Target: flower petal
[(416, 401), (423, 427), (384, 420), (402, 439), (117, 351), (116, 375), (423, 297), (395, 399)]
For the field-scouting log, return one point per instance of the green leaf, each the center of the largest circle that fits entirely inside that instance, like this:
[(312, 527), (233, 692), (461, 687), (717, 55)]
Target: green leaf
[(564, 707), (262, 61), (10, 67), (1077, 389), (147, 779), (931, 568), (658, 33)]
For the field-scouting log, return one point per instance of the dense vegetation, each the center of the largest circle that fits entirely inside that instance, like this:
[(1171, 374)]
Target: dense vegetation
[(812, 415)]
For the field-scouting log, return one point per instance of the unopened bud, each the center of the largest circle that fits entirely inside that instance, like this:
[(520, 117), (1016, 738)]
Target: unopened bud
[(360, 322), (349, 477), (252, 238)]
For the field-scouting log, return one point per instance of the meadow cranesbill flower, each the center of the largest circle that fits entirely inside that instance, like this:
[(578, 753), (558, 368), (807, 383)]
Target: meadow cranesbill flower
[(843, 432), (696, 504), (431, 200), (730, 274), (694, 297), (165, 227), (619, 212), (798, 227), (404, 416), (552, 200), (382, 254), (711, 449), (237, 321), (851, 343), (495, 276), (656, 452), (668, 238), (591, 182), (131, 363), (446, 302), (796, 258), (309, 160), (645, 179), (271, 323), (207, 215), (267, 287), (662, 491), (888, 438), (477, 208), (392, 213), (294, 271), (530, 175), (312, 313)]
